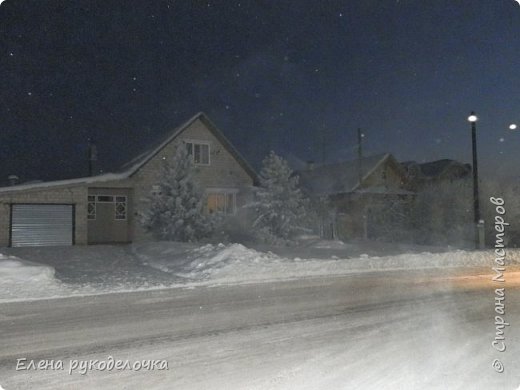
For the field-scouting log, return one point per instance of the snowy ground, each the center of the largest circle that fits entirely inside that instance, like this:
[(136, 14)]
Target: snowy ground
[(67, 271), (239, 318), (388, 330)]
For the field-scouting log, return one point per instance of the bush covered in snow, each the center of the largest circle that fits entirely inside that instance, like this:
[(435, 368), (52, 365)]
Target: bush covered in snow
[(176, 211)]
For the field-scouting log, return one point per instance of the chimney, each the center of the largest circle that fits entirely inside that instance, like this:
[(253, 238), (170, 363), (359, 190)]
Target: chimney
[(310, 165), (92, 156), (13, 180)]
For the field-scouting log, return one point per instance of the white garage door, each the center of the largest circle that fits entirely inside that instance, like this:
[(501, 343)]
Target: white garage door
[(42, 224)]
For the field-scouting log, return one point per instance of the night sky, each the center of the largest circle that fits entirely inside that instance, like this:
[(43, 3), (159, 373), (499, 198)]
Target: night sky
[(298, 77)]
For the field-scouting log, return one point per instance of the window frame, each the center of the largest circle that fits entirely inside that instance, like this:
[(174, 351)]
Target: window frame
[(91, 200), (115, 200), (125, 205), (191, 146), (224, 193)]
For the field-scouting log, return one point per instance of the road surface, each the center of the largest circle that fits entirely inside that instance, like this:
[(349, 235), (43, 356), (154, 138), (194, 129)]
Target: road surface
[(381, 330)]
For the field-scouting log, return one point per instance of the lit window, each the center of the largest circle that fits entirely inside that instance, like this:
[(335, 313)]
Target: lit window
[(199, 152), (221, 202)]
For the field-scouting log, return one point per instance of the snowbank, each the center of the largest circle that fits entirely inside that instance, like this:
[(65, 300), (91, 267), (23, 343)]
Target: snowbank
[(14, 270), (235, 263), (24, 279), (157, 265)]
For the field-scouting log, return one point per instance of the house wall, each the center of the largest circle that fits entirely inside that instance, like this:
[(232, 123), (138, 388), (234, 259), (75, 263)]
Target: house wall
[(359, 213), (222, 172), (76, 195), (105, 228), (386, 175), (373, 216)]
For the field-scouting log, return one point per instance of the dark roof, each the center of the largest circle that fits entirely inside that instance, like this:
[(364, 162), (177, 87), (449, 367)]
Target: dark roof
[(139, 161), (340, 177), (436, 168)]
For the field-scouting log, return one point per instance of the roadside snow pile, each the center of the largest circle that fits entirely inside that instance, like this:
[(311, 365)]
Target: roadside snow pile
[(236, 264), (18, 271), (187, 261), (24, 279)]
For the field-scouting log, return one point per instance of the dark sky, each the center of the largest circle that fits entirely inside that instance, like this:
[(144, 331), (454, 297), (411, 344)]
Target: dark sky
[(298, 77)]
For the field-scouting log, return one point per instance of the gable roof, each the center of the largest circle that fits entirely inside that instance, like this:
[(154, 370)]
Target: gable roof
[(438, 168), (139, 161), (342, 177), (130, 168)]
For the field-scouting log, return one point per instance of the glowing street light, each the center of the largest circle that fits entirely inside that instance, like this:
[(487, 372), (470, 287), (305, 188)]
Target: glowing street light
[(472, 118), (476, 207), (512, 126)]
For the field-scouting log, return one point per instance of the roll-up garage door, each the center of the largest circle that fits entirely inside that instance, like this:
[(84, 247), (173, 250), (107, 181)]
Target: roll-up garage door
[(42, 224)]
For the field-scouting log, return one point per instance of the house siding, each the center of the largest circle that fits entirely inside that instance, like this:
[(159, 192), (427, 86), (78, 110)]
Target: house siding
[(385, 175), (356, 210), (105, 228), (223, 171)]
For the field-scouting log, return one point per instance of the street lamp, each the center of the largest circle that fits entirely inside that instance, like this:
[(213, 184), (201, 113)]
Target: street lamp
[(476, 207)]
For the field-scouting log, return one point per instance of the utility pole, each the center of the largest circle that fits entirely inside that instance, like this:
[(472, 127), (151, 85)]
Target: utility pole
[(360, 155), (323, 146), (360, 136), (479, 244), (92, 156)]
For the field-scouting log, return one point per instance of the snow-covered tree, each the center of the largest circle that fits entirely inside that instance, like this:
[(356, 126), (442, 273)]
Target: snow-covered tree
[(280, 204), (176, 210)]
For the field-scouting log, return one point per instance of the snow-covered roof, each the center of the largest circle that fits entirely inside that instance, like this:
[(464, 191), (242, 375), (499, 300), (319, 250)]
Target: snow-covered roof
[(66, 183), (139, 161), (136, 163), (341, 177)]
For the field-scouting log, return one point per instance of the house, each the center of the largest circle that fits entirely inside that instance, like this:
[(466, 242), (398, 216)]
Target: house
[(359, 193), (444, 202), (106, 208), (435, 172)]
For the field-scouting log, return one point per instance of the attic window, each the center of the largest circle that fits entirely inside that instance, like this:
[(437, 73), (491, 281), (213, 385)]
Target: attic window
[(199, 152)]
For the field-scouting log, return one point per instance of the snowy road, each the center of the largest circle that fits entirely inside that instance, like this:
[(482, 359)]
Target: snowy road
[(386, 330)]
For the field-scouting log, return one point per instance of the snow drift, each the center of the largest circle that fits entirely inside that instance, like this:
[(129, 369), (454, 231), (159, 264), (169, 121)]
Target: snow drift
[(14, 270), (235, 263), (21, 279)]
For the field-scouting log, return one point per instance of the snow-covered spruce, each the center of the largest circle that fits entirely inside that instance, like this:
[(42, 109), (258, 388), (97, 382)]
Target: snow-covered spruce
[(280, 204), (176, 211)]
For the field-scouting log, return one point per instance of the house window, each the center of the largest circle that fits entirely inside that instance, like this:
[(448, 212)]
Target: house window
[(156, 190), (119, 202), (91, 207), (120, 207), (105, 199), (221, 202), (199, 152)]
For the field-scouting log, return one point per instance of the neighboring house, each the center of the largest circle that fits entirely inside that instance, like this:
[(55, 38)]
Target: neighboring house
[(359, 193), (106, 208), (444, 203), (434, 172)]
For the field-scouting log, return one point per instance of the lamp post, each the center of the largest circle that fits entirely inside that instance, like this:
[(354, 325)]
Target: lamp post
[(476, 207)]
